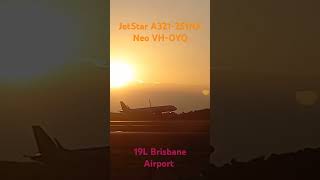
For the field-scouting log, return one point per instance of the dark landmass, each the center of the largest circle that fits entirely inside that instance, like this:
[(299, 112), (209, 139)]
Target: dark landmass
[(203, 114), (62, 171), (23, 170), (303, 164)]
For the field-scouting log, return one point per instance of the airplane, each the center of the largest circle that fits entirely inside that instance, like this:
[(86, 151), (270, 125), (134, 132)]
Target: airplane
[(155, 110), (52, 152)]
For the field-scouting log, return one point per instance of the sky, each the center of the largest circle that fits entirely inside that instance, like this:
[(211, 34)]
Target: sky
[(159, 63), (48, 76)]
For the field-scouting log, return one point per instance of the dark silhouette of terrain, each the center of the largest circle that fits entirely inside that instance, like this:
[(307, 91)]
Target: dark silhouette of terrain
[(61, 171), (202, 114), (303, 164)]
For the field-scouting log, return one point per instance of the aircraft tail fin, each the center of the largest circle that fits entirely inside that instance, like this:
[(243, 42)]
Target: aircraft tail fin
[(124, 106), (58, 144), (45, 144)]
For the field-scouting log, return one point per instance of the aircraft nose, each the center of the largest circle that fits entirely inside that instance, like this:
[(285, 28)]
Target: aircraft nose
[(174, 108)]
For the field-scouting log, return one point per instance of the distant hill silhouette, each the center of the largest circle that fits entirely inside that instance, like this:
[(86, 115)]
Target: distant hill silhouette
[(203, 114), (303, 164)]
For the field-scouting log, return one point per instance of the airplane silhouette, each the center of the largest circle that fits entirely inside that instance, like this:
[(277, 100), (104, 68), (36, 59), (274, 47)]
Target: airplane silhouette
[(155, 110), (51, 152)]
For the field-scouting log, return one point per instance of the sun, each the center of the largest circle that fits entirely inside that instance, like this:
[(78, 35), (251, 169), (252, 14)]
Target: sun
[(120, 74)]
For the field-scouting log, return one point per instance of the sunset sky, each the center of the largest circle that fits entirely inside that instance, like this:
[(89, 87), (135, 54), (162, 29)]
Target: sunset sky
[(159, 63), (49, 75)]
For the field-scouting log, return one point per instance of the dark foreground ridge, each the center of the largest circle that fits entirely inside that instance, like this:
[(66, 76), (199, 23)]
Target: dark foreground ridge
[(38, 171), (303, 164)]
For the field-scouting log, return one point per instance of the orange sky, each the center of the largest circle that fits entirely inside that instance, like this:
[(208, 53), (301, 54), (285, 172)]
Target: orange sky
[(170, 62), (166, 72)]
